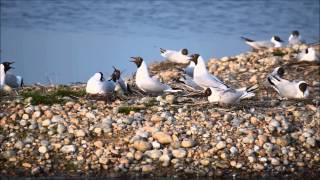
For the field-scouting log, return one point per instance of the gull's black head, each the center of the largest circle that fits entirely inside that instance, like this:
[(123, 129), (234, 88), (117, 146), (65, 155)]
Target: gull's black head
[(295, 33), (277, 38), (194, 58), (280, 71), (137, 60), (207, 92), (184, 51), (7, 66), (306, 50), (101, 76), (303, 86)]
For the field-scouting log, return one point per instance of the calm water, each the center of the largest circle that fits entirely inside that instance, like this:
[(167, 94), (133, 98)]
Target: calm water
[(68, 41)]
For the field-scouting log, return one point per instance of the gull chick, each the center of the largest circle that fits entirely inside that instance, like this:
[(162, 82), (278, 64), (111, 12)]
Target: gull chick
[(275, 41), (180, 57), (202, 77), (145, 82), (98, 85), (289, 89), (121, 84), (229, 96), (309, 54)]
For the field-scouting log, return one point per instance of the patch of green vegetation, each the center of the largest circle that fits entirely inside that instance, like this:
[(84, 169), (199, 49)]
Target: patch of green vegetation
[(70, 166), (278, 53), (67, 91), (52, 97), (151, 103), (38, 97), (127, 109)]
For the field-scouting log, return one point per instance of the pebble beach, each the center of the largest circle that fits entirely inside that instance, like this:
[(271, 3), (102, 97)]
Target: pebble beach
[(60, 131)]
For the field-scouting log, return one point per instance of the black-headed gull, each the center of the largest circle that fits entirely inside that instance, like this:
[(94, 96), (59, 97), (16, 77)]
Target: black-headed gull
[(295, 38), (309, 54), (145, 82), (275, 41), (289, 89), (98, 85), (229, 96), (180, 57)]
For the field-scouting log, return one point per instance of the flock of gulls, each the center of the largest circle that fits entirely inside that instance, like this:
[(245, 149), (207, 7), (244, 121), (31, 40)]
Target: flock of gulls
[(195, 76)]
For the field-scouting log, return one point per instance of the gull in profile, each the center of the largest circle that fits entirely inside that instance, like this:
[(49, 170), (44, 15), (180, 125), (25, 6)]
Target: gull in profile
[(202, 77), (98, 85), (180, 57), (145, 82), (289, 89), (275, 41), (229, 96), (10, 79)]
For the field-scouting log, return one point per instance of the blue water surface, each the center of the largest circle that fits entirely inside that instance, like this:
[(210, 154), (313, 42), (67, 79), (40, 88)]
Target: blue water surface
[(67, 41)]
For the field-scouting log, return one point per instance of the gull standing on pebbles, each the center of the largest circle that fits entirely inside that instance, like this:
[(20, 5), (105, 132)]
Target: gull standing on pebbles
[(145, 82), (289, 89), (202, 77), (180, 57), (229, 96), (295, 38), (309, 54), (98, 85), (275, 41), (10, 79), (121, 84)]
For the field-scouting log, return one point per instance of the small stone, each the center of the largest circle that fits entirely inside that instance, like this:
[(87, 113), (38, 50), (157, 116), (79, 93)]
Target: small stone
[(141, 145), (46, 122), (26, 165), (25, 116), (187, 143), (90, 115), (248, 139), (311, 141), (282, 141), (221, 145), (156, 145), (179, 153), (164, 158), (205, 162), (61, 128), (154, 154), (233, 150), (138, 155), (275, 161), (23, 122), (19, 145), (170, 99), (162, 137), (147, 168), (80, 133), (156, 118), (98, 144), (43, 149), (68, 148), (258, 167), (268, 147)]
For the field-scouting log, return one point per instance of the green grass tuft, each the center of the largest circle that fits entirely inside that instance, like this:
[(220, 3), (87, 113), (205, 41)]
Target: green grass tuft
[(52, 97), (278, 53), (128, 109)]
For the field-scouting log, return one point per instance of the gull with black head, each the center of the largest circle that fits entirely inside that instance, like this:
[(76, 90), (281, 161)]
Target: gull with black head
[(275, 41), (145, 82), (179, 57), (98, 85)]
